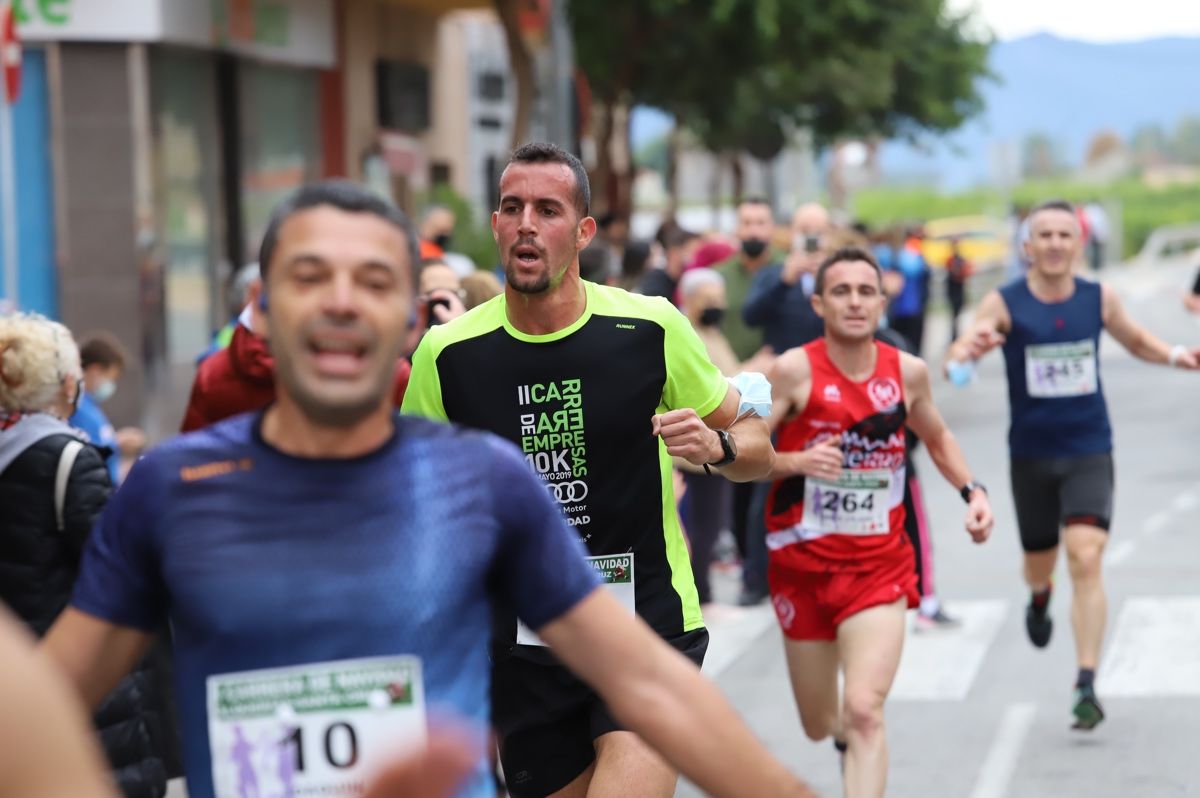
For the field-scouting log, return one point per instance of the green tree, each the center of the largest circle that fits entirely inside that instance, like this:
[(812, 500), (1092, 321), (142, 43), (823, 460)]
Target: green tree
[(1148, 145), (1185, 142), (1039, 156), (739, 73)]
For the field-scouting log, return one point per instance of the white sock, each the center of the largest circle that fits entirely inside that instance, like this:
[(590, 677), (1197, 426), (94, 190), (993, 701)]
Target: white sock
[(930, 606)]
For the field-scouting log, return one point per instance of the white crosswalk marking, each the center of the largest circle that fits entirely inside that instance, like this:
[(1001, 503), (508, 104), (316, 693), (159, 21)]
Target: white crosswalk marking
[(941, 666), (1154, 649), (732, 630)]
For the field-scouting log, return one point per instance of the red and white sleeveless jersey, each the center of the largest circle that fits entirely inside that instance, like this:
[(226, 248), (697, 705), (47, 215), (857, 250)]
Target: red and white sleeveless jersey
[(849, 523)]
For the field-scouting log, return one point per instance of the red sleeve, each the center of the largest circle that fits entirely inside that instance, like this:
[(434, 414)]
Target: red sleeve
[(403, 369), (195, 417)]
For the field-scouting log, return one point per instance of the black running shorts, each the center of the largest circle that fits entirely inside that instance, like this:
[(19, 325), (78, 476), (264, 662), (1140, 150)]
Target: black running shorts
[(547, 719), (1056, 492)]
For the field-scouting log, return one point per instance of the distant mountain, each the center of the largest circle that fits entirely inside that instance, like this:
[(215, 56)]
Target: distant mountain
[(1066, 89)]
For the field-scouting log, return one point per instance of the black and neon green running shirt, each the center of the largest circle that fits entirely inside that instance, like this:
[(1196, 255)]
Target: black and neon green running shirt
[(578, 403)]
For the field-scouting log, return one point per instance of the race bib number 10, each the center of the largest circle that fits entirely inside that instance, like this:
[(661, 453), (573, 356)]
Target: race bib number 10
[(856, 504), (319, 729), (616, 572), (1057, 370)]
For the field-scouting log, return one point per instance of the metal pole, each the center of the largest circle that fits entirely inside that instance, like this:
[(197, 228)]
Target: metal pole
[(8, 198)]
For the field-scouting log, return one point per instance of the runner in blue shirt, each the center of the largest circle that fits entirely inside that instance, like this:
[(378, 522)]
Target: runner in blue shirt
[(329, 569)]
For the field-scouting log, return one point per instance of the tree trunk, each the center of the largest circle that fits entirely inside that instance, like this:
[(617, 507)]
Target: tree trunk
[(522, 67), (739, 177), (624, 193), (714, 188), (602, 198), (674, 143)]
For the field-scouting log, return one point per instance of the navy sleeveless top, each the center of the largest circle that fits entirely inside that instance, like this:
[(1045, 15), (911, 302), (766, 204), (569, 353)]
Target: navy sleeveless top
[(1054, 390)]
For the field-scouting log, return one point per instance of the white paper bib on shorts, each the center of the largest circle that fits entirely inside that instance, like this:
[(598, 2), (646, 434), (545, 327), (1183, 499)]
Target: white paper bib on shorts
[(1057, 370), (616, 571), (319, 729), (857, 503)]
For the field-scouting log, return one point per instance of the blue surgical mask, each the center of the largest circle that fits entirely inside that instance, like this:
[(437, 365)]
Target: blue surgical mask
[(756, 394), (104, 391)]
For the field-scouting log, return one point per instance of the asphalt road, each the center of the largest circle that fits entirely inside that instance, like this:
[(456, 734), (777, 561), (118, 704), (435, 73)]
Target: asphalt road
[(978, 712)]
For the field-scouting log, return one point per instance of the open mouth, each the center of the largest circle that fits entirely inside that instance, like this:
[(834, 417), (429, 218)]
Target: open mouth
[(338, 355), (527, 253)]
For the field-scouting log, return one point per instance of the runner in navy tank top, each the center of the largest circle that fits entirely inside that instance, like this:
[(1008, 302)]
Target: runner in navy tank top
[(841, 570), (1060, 440)]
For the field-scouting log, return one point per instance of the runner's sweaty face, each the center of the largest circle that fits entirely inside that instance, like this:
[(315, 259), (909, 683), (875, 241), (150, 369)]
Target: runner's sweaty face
[(851, 300), (1053, 244), (538, 229), (340, 293)]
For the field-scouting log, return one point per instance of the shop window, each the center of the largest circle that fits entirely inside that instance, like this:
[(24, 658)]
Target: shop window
[(403, 96)]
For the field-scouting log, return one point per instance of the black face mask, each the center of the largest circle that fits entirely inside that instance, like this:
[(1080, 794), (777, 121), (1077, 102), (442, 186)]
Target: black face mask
[(442, 241), (753, 247), (712, 317)]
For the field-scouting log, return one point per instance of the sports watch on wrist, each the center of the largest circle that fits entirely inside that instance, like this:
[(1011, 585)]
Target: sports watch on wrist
[(969, 488), (728, 447)]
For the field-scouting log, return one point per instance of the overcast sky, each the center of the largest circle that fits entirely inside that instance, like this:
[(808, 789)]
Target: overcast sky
[(1090, 20)]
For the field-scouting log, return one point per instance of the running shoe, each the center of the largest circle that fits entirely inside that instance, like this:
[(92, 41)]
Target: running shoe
[(1038, 624), (1087, 710), (938, 621), (841, 747)]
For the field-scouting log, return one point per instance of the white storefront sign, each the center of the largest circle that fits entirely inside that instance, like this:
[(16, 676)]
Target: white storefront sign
[(297, 32)]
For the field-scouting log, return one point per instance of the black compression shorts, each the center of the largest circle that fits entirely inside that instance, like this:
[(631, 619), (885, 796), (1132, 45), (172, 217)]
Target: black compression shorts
[(1061, 491), (547, 720)]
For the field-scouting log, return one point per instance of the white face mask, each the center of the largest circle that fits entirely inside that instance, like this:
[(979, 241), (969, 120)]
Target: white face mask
[(104, 391)]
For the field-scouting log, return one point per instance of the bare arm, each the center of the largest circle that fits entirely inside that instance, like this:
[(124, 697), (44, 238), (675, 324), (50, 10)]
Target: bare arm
[(92, 653), (695, 440), (657, 693), (1140, 342), (791, 383), (925, 420), (986, 331), (48, 748)]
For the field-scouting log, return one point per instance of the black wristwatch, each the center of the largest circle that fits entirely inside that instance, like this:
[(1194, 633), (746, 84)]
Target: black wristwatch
[(728, 446), (969, 488)]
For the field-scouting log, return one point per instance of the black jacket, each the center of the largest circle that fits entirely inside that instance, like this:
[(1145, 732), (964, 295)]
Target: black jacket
[(38, 567)]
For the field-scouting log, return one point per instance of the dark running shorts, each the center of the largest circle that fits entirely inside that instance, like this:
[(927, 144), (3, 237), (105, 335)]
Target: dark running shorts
[(1056, 492), (547, 719)]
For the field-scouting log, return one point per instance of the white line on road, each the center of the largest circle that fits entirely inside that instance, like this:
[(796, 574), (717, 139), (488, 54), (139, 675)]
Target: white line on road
[(1154, 649), (942, 665), (731, 632), (1185, 502), (1002, 756), (1155, 523), (1120, 552)]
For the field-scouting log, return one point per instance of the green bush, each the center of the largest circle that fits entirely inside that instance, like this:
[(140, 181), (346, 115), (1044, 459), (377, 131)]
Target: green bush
[(1143, 208), (472, 236)]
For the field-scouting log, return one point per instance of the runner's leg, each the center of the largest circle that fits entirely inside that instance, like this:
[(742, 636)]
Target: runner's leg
[(812, 668), (869, 644), (626, 766), (1089, 606)]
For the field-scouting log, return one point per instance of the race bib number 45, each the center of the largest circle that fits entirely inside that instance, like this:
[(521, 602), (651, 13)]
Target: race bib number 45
[(855, 504), (319, 729), (616, 572), (1057, 370)]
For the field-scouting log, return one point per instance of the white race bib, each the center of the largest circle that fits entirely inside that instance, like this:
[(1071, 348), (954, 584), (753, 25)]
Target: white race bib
[(1056, 370), (319, 729), (856, 504), (616, 571)]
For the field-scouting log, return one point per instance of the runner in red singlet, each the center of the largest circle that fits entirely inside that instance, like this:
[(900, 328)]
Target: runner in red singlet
[(841, 568)]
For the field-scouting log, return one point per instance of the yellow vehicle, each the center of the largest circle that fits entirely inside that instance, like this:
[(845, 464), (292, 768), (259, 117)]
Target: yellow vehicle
[(982, 240)]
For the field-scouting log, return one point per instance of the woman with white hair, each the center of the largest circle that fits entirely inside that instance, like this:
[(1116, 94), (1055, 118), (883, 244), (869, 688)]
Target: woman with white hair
[(53, 484)]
